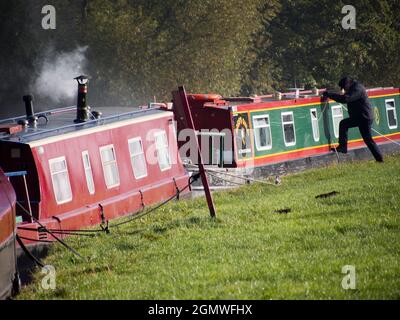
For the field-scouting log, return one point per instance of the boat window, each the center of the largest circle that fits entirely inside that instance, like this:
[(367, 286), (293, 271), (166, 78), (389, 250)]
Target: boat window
[(162, 150), (138, 159), (289, 134), (337, 116), (314, 124), (391, 113), (60, 179), (262, 132), (88, 171), (110, 167)]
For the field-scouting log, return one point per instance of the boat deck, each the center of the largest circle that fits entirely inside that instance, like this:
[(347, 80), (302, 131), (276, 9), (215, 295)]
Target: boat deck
[(60, 121)]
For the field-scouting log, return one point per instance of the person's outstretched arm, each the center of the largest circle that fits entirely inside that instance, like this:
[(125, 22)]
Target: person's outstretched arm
[(345, 98)]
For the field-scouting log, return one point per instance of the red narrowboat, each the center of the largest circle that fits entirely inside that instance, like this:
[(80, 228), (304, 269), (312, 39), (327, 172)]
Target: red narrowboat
[(86, 167), (8, 258)]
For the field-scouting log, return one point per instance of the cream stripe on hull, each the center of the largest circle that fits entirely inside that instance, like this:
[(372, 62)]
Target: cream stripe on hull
[(105, 127)]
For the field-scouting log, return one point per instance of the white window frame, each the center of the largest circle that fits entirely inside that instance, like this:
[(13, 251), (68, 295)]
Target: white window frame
[(110, 146), (88, 172), (336, 130), (255, 127), (316, 134), (54, 160), (387, 113), (288, 144), (157, 134), (134, 140)]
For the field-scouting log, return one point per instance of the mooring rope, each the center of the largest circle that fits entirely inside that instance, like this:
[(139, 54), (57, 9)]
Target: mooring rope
[(222, 179), (48, 231), (373, 129), (138, 216), (35, 240), (391, 140), (208, 170), (131, 218), (28, 253), (64, 231)]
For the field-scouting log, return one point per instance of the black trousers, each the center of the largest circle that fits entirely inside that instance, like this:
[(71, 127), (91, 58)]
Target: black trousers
[(365, 129)]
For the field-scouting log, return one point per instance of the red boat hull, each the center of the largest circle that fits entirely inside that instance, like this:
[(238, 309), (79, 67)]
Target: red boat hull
[(7, 237), (85, 208)]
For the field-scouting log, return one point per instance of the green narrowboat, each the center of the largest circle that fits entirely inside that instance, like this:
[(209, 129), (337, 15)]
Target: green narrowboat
[(272, 129)]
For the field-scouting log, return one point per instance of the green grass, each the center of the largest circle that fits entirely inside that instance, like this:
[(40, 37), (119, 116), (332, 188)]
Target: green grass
[(249, 251)]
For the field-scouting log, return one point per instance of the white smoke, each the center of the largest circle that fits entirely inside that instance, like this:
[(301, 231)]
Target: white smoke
[(57, 72)]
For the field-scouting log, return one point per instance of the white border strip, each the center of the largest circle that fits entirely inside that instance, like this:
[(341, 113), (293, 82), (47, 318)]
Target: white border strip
[(88, 131)]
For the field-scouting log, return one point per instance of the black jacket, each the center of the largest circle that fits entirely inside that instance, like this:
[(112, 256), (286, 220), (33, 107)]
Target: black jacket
[(359, 107)]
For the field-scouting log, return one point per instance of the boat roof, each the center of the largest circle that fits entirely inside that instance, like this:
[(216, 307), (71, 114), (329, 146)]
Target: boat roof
[(61, 121), (295, 95), (288, 99)]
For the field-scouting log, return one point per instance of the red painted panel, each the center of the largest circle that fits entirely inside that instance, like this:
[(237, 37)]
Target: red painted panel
[(382, 92), (118, 206), (7, 209), (277, 104), (72, 148)]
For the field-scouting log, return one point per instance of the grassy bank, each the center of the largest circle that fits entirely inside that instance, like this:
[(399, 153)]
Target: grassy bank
[(249, 251)]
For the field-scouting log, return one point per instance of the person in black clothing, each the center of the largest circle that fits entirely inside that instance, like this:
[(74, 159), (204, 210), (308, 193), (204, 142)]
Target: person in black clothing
[(360, 115)]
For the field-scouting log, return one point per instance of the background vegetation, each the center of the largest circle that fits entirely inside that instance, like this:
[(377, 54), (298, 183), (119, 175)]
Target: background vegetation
[(138, 49)]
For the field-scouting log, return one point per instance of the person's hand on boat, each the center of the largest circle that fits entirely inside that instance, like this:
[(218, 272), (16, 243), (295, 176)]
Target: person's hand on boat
[(325, 96)]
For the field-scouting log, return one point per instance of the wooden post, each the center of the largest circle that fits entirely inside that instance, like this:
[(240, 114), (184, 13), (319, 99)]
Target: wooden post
[(182, 108)]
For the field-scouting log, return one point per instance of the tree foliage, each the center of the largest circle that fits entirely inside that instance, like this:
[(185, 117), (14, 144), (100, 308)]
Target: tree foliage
[(306, 44), (151, 47), (141, 49)]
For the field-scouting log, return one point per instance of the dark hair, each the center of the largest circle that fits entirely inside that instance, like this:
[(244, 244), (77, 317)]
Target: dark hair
[(345, 80)]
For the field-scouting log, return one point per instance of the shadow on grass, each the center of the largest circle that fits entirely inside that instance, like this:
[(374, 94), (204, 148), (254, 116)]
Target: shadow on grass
[(359, 230), (127, 246), (158, 229), (314, 214)]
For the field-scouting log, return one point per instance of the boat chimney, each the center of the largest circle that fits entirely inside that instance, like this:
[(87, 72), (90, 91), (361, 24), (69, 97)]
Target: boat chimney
[(82, 111), (30, 115)]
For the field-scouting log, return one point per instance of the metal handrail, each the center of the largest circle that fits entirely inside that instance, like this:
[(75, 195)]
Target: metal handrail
[(15, 173), (41, 113), (100, 121)]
